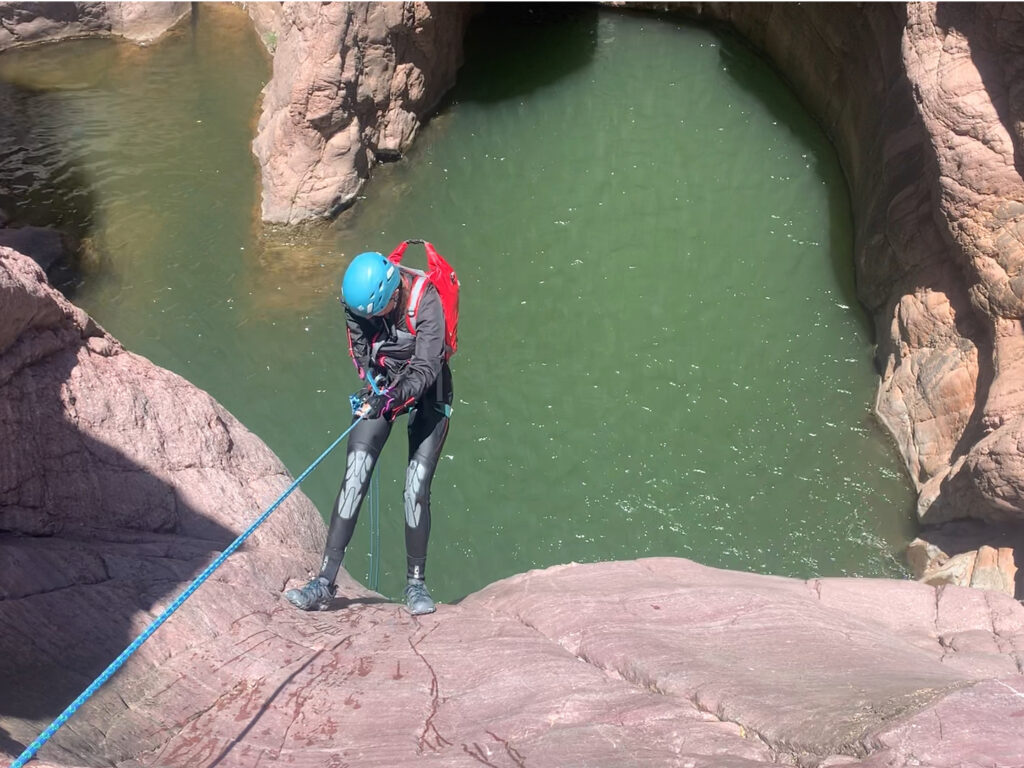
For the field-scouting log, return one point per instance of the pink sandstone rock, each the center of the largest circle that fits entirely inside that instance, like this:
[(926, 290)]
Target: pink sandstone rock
[(351, 84), (925, 106), (30, 23), (118, 480), (959, 63)]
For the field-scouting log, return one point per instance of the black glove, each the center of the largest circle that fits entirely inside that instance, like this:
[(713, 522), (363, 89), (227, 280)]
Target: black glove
[(415, 241), (375, 406)]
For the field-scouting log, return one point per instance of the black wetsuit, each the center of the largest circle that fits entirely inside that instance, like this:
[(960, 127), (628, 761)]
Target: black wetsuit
[(419, 381)]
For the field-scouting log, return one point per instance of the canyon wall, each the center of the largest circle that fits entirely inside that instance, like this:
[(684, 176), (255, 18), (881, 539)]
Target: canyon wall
[(32, 23), (352, 82), (924, 105)]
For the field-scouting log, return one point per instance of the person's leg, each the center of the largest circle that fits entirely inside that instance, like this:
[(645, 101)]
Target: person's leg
[(428, 428), (364, 447)]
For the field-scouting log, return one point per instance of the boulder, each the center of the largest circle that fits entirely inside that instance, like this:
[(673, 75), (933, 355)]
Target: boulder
[(140, 22), (351, 84)]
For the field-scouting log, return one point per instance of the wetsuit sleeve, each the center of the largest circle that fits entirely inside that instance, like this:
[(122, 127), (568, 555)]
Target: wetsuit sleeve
[(358, 343), (425, 366)]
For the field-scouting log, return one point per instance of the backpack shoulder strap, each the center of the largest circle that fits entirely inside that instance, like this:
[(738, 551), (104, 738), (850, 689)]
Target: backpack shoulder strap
[(419, 285)]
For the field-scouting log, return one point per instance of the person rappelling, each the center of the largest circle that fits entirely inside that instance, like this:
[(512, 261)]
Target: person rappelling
[(402, 330)]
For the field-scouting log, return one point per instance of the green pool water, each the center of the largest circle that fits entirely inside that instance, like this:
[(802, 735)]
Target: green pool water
[(661, 352)]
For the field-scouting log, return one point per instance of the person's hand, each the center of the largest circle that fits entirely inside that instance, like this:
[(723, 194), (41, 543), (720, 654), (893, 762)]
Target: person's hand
[(415, 241), (374, 406)]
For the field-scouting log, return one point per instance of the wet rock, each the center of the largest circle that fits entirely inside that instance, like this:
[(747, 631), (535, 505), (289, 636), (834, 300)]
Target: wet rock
[(352, 82), (30, 23)]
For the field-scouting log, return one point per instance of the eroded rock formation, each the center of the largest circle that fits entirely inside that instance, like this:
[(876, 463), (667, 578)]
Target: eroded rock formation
[(118, 481), (30, 23), (924, 104), (351, 84)]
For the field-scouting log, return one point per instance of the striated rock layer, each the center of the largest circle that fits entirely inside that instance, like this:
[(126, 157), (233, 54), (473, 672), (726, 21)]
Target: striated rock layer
[(351, 84), (30, 23)]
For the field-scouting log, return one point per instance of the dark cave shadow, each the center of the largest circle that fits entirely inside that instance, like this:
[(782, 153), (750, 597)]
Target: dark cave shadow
[(514, 49), (73, 585), (987, 54)]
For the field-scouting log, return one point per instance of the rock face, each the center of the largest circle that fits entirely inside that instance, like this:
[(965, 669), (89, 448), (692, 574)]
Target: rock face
[(924, 103), (647, 663), (351, 84), (118, 480), (28, 23)]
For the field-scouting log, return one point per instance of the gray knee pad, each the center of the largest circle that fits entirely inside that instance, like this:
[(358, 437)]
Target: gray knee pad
[(415, 493), (360, 464)]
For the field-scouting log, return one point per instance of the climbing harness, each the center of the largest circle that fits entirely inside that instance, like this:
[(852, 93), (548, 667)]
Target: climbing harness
[(116, 664)]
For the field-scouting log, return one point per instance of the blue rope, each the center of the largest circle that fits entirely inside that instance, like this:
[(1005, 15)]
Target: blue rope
[(73, 707), (373, 577)]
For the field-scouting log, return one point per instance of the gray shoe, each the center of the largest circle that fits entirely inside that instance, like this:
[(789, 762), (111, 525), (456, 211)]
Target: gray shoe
[(315, 596), (417, 598)]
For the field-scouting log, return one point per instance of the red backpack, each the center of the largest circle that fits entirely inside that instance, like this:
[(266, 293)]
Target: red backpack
[(442, 276)]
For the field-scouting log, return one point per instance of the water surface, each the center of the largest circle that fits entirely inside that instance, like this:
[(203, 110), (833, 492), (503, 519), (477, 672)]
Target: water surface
[(661, 349)]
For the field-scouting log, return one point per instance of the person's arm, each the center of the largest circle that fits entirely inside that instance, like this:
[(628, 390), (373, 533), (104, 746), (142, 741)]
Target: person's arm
[(424, 367), (358, 343)]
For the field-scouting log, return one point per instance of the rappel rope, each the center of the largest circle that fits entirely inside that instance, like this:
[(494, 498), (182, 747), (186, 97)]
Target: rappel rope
[(373, 577), (116, 664), (373, 574)]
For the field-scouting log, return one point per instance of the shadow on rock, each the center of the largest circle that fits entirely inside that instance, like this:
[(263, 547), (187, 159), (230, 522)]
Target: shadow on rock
[(88, 538), (995, 33), (119, 481)]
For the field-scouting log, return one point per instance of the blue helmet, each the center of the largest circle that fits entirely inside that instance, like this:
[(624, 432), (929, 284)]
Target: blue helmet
[(369, 283)]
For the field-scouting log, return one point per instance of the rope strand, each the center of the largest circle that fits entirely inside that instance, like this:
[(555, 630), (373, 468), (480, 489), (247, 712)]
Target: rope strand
[(116, 664)]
